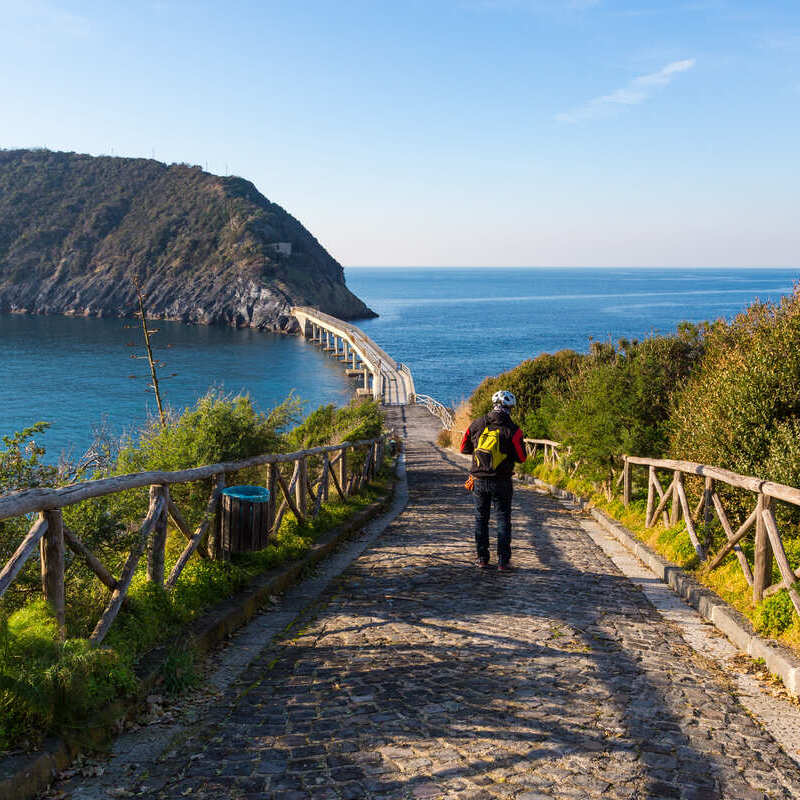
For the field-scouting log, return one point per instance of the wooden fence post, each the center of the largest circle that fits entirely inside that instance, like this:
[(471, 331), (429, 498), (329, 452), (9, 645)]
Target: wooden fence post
[(215, 544), (300, 489), (762, 568), (651, 497), (326, 478), (708, 505), (272, 488), (341, 468), (51, 551), (675, 508), (158, 539), (626, 482)]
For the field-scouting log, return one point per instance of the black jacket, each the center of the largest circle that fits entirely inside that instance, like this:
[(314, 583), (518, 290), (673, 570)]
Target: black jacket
[(510, 443)]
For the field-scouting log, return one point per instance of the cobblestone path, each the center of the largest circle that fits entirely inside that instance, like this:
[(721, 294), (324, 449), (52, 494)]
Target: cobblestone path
[(421, 676)]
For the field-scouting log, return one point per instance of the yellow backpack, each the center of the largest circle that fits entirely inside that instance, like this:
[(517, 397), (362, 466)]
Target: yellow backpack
[(488, 455)]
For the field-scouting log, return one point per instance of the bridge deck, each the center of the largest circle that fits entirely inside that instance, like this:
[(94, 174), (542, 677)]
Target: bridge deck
[(421, 676), (397, 385)]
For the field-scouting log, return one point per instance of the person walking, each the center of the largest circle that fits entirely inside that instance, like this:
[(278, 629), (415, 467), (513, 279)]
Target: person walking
[(495, 443)]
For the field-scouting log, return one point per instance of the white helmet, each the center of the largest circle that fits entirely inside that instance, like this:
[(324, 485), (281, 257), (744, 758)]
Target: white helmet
[(504, 398)]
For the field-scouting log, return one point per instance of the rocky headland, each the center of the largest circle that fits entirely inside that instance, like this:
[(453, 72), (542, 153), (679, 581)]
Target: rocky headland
[(76, 230)]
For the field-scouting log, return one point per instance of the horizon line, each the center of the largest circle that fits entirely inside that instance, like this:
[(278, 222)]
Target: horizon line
[(573, 266)]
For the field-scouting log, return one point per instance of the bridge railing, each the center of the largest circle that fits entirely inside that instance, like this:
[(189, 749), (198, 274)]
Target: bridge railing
[(444, 414), (378, 361), (408, 380), (376, 353), (672, 505), (287, 474)]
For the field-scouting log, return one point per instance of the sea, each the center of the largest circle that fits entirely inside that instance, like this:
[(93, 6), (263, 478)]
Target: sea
[(452, 327)]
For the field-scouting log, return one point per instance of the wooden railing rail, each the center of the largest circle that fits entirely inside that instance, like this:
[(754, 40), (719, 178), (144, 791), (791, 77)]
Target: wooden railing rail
[(672, 505), (303, 496), (17, 503), (549, 449), (768, 542)]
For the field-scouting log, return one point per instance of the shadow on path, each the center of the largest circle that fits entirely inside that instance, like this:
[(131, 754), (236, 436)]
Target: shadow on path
[(424, 677)]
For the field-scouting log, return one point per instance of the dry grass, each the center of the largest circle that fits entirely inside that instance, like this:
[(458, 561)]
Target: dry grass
[(463, 417)]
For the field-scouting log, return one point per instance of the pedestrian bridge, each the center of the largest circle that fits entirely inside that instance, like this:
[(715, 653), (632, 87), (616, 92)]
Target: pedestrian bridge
[(384, 379)]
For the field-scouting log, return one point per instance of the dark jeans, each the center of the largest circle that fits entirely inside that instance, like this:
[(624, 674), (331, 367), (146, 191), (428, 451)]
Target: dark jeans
[(490, 492)]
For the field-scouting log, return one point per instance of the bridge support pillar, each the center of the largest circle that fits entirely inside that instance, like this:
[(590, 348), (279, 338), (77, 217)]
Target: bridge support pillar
[(377, 388)]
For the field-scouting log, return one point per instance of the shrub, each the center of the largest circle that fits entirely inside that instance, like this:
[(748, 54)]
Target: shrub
[(741, 410), (527, 382), (46, 685), (21, 464), (445, 438), (775, 614), (361, 419), (619, 400), (21, 467), (219, 428)]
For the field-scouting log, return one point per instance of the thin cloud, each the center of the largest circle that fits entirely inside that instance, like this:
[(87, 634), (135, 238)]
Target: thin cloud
[(636, 92)]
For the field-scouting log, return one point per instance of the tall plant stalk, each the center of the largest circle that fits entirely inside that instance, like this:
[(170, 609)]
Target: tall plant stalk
[(150, 360)]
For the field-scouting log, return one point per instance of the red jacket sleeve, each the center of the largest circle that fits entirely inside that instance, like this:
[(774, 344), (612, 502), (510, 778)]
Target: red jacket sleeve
[(466, 443), (519, 446)]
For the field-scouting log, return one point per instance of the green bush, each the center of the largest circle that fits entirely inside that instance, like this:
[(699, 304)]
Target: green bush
[(21, 464), (361, 419), (21, 467), (741, 410), (619, 400), (46, 685), (218, 428), (775, 614), (528, 382)]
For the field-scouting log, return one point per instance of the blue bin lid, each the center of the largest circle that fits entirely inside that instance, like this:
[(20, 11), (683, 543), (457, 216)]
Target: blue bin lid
[(255, 494)]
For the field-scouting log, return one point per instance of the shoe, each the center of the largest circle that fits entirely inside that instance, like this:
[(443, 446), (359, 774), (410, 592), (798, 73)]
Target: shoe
[(504, 567), (483, 563)]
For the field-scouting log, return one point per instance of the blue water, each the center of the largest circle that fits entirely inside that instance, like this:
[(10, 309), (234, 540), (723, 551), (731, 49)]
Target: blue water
[(456, 326), (74, 372), (451, 326)]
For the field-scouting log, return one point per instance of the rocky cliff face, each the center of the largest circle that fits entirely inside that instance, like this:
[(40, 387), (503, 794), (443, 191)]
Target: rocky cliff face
[(75, 230)]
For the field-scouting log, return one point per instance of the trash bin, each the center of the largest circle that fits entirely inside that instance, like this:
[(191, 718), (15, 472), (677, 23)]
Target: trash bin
[(244, 519)]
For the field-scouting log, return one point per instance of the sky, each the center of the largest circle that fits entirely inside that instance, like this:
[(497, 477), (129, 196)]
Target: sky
[(444, 132)]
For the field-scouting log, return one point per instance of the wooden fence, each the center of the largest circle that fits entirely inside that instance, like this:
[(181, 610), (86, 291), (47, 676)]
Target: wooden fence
[(549, 450), (762, 518), (301, 495), (672, 505)]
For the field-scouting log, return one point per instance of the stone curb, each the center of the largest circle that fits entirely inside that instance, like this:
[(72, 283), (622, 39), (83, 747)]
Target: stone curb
[(779, 660), (24, 776)]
